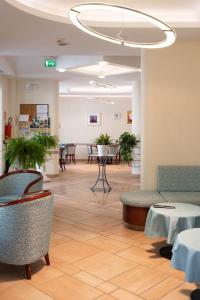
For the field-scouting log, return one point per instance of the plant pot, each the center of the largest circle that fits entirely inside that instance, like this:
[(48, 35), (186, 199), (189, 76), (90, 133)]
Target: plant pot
[(102, 150)]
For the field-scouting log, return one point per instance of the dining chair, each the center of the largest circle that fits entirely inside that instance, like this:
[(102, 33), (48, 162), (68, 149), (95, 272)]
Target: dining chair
[(62, 158), (92, 152), (25, 228), (70, 153), (114, 150)]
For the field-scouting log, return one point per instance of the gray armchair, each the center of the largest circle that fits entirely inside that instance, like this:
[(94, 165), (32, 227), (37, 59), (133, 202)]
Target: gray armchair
[(25, 228), (17, 183)]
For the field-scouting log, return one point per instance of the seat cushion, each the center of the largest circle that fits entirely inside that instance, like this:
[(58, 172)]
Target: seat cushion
[(8, 198), (182, 197), (141, 198)]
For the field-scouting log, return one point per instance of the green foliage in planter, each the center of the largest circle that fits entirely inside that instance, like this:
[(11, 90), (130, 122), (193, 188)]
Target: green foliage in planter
[(26, 152), (47, 141), (127, 142), (104, 139)]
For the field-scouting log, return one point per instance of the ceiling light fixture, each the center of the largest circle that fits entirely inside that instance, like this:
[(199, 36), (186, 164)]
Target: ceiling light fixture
[(103, 63), (101, 84), (74, 16), (61, 70)]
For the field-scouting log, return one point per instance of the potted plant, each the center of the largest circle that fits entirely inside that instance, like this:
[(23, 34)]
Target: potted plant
[(102, 142), (24, 153), (29, 153), (127, 141), (49, 142)]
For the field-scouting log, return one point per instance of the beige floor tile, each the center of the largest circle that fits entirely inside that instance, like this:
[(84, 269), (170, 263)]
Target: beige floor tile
[(64, 266), (124, 295), (128, 241), (181, 293), (107, 287), (73, 251), (142, 256), (166, 268), (42, 273), (67, 287), (23, 292), (88, 278), (106, 297), (161, 289), (59, 241), (104, 265), (108, 244), (79, 234), (123, 231), (101, 222), (139, 279)]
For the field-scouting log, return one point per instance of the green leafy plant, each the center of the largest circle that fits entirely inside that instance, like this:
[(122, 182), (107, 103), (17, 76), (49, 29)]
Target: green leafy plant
[(104, 139), (24, 152), (127, 142), (47, 141)]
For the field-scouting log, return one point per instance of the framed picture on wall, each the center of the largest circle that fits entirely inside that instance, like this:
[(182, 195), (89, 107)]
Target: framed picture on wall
[(94, 119), (129, 117), (117, 115)]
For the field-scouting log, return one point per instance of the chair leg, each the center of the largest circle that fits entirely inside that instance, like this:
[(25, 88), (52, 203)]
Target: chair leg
[(28, 271), (47, 259)]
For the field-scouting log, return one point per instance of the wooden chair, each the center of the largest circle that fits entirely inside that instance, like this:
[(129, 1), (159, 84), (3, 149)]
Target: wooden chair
[(62, 158)]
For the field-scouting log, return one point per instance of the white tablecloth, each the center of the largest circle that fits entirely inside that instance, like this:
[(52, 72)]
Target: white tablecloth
[(186, 254), (162, 222)]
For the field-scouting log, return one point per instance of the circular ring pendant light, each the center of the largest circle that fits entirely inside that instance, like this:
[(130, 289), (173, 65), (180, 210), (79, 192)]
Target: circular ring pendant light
[(74, 16)]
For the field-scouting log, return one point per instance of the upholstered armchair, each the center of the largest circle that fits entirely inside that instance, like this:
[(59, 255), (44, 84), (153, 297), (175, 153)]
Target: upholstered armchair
[(17, 183), (25, 228)]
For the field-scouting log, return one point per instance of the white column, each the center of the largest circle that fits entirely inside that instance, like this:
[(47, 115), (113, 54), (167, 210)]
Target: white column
[(136, 124)]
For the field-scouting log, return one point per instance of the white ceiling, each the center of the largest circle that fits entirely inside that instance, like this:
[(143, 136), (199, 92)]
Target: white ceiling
[(27, 37), (173, 11)]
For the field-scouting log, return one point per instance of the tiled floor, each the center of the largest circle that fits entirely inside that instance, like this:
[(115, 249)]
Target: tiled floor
[(93, 256)]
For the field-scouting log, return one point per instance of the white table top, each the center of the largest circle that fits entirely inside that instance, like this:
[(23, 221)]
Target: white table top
[(186, 254), (181, 209), (165, 222)]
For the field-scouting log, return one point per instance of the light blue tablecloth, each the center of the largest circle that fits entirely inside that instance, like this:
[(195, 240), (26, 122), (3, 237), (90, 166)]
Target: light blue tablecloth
[(186, 254), (162, 222)]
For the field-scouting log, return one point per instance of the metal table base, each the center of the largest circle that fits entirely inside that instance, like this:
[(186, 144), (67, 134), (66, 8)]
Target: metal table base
[(102, 162)]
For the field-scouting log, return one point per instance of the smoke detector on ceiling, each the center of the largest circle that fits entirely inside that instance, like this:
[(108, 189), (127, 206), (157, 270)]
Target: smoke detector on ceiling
[(62, 42)]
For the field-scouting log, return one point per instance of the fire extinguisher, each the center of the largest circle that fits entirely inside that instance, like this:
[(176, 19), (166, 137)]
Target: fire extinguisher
[(8, 128)]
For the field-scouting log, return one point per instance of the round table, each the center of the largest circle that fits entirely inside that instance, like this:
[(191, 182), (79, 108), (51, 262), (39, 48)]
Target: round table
[(170, 221), (186, 256)]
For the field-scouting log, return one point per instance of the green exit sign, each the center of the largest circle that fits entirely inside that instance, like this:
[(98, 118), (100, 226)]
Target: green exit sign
[(50, 63)]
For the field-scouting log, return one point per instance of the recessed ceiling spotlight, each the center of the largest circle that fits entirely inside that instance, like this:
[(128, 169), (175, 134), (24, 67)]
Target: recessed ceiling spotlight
[(61, 70), (75, 13), (62, 42), (101, 76), (103, 63), (109, 102)]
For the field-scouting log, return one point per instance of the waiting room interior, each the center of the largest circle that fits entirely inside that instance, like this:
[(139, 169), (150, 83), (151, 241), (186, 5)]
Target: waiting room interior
[(80, 224)]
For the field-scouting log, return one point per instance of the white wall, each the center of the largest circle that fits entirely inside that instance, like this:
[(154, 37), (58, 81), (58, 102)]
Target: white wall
[(47, 93), (73, 120), (170, 108)]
